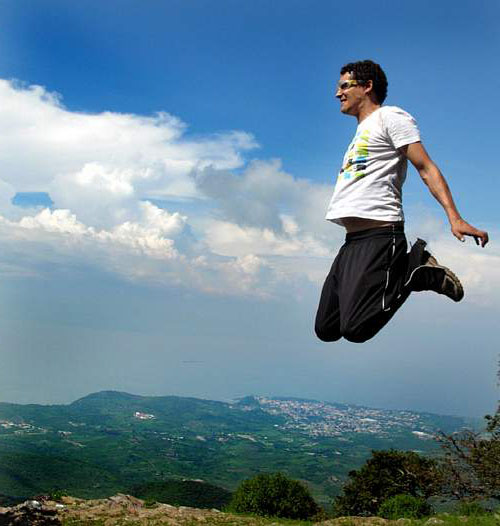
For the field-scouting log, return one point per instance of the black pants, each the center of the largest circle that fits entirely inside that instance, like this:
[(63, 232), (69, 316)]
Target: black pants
[(371, 277)]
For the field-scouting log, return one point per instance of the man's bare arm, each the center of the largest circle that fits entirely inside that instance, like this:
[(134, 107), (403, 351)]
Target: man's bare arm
[(439, 188)]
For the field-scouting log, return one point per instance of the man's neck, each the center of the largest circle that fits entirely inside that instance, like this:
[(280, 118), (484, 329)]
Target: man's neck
[(367, 109)]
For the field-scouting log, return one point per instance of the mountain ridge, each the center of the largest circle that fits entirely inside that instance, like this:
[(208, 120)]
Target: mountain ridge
[(107, 394)]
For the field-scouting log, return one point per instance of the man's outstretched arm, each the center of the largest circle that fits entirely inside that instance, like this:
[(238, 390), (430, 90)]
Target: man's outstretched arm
[(439, 188)]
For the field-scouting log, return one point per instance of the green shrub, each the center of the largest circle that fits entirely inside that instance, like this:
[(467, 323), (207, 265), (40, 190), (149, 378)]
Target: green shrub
[(385, 475), (404, 506), (274, 495)]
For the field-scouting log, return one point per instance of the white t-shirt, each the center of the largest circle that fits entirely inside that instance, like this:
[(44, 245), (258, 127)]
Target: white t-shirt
[(369, 184)]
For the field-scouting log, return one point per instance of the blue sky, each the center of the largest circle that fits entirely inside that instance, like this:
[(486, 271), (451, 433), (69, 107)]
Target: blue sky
[(189, 150)]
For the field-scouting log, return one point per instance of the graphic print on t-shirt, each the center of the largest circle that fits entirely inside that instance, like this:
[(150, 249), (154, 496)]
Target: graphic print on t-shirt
[(356, 157)]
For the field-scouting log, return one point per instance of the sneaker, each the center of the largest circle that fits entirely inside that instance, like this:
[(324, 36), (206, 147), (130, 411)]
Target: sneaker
[(451, 285)]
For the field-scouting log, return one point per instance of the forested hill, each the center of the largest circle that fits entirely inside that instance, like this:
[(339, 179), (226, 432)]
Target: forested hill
[(109, 442)]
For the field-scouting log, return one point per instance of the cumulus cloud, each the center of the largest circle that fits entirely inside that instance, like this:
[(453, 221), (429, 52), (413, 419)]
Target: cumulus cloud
[(145, 250), (263, 194), (99, 166), (263, 232), (102, 171)]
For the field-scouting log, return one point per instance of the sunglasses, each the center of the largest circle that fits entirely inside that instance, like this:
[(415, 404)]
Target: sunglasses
[(346, 84)]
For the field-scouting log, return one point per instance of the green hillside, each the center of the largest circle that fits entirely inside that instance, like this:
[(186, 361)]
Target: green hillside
[(112, 442)]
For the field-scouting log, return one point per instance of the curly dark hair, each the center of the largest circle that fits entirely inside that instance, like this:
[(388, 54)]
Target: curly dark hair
[(367, 70)]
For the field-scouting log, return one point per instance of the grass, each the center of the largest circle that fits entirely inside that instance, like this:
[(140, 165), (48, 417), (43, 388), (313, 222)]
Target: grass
[(223, 519), (215, 521)]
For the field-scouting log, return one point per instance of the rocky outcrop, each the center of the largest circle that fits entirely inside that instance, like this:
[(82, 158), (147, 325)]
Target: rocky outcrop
[(30, 513), (110, 512)]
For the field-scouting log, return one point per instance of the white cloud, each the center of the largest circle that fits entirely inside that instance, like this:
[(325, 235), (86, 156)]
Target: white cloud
[(232, 239), (263, 194), (99, 166), (267, 212)]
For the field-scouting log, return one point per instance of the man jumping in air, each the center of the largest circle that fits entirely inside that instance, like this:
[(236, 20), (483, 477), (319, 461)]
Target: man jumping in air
[(373, 274)]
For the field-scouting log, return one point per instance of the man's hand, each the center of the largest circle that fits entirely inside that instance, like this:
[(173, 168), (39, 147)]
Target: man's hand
[(461, 228)]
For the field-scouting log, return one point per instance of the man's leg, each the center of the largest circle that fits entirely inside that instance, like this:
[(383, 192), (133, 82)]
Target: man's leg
[(371, 282), (358, 286), (327, 324)]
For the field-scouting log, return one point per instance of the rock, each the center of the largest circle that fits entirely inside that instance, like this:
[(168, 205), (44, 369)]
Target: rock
[(126, 500), (434, 520), (69, 500), (30, 513)]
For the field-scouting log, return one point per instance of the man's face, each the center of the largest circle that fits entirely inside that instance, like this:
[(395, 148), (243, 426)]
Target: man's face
[(351, 97)]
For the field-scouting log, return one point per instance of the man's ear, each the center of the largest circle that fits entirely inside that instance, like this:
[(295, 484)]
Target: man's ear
[(369, 90)]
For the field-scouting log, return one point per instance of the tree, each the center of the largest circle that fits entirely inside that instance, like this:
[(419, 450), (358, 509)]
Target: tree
[(274, 495), (471, 466), (384, 475)]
